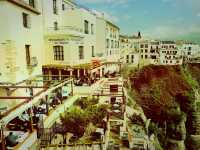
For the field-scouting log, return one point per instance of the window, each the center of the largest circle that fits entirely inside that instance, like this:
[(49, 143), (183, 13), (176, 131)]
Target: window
[(141, 46), (28, 57), (142, 56), (55, 25), (55, 10), (111, 43), (26, 20), (93, 55), (132, 58), (152, 51), (86, 27), (146, 56), (81, 54), (113, 88), (146, 51), (146, 45), (127, 58), (58, 53), (32, 3), (63, 6), (107, 43), (92, 28)]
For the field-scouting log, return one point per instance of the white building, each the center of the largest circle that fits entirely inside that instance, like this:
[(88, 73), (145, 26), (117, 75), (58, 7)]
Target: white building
[(170, 56), (159, 53), (112, 41), (21, 40), (129, 42), (107, 38), (70, 37), (129, 53), (149, 51), (190, 50), (107, 44)]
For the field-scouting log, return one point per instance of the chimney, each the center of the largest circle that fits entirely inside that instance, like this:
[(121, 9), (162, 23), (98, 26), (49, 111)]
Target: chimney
[(139, 35)]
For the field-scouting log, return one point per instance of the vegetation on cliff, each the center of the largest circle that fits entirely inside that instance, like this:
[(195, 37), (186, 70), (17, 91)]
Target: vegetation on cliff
[(167, 96)]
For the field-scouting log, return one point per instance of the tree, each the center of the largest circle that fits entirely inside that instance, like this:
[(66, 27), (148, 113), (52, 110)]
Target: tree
[(74, 121)]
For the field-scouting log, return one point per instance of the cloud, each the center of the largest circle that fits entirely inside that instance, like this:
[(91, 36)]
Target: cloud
[(105, 1), (172, 32), (106, 15), (194, 4)]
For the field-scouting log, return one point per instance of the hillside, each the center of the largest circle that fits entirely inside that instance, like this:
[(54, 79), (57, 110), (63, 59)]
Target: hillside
[(167, 96)]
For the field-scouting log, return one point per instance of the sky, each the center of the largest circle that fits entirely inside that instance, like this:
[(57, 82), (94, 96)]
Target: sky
[(160, 19)]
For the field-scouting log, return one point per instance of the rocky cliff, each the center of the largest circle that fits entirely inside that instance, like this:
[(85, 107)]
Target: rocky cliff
[(169, 95)]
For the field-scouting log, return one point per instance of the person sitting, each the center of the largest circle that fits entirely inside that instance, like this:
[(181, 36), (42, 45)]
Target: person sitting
[(11, 140)]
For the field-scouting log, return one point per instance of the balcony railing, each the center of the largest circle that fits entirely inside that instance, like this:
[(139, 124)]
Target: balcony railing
[(25, 5), (65, 30)]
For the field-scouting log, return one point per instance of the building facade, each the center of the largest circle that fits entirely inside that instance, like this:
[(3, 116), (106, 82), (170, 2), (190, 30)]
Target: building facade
[(112, 41), (70, 38), (129, 53), (190, 51), (170, 56), (21, 40)]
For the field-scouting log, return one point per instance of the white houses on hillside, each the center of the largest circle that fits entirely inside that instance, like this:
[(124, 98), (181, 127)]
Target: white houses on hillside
[(170, 54), (149, 51), (190, 51)]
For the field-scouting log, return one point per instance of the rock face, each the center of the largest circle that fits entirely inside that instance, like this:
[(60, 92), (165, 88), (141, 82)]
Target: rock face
[(176, 135), (167, 94), (193, 139), (174, 145)]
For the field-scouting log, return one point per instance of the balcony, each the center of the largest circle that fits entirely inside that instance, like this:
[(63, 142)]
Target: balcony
[(65, 30), (25, 5)]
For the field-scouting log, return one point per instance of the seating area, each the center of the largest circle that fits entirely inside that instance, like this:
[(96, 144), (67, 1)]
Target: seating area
[(13, 138)]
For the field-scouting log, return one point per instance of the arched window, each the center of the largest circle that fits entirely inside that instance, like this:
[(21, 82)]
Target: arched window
[(58, 53)]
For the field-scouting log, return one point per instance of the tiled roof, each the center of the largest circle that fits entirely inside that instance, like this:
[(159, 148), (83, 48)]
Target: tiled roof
[(22, 4)]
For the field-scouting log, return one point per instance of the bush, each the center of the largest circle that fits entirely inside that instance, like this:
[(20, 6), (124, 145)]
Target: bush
[(136, 119), (85, 102), (74, 121), (96, 113)]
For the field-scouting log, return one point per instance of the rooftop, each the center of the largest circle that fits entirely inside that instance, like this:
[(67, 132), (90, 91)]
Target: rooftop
[(24, 5)]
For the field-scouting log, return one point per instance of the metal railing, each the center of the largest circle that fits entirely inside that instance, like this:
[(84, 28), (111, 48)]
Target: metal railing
[(65, 29)]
